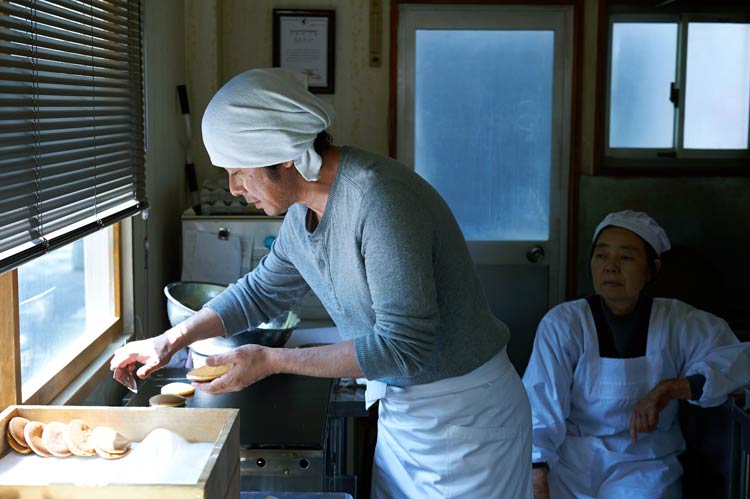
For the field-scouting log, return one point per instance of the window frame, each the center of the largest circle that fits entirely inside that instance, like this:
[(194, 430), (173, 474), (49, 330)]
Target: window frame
[(676, 160), (97, 349)]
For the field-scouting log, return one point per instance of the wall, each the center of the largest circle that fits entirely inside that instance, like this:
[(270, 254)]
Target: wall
[(163, 24), (227, 37), (707, 218), (708, 223), (202, 43), (164, 61)]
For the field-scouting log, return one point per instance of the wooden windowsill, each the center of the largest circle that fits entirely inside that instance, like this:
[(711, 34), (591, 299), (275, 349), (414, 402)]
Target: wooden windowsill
[(83, 385)]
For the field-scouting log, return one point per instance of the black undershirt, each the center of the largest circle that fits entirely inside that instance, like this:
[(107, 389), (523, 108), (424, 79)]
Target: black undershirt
[(621, 336)]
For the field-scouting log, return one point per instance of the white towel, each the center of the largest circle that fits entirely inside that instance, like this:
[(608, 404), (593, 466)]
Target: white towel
[(263, 117)]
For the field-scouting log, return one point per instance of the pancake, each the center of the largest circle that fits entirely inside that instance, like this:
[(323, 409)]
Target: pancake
[(21, 449), (78, 438), (166, 400), (111, 455), (53, 440), (178, 388), (15, 428), (32, 433), (107, 441), (208, 373)]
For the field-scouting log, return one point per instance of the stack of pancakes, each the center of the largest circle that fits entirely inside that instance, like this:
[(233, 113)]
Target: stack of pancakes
[(58, 439)]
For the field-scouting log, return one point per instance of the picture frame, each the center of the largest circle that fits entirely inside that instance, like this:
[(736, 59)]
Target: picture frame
[(304, 42)]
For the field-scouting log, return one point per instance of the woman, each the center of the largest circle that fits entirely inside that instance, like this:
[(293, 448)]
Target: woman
[(607, 371)]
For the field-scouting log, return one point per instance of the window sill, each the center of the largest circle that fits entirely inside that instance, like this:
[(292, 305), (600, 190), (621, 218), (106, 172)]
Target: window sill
[(92, 376)]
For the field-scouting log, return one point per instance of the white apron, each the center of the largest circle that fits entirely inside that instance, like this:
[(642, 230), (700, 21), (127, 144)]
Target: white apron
[(467, 436), (611, 466)]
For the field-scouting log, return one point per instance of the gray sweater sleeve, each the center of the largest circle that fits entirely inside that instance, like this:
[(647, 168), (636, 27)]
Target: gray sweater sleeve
[(397, 246), (273, 287)]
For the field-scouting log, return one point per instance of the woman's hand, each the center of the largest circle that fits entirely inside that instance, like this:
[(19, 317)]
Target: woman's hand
[(250, 364), (645, 415), (541, 486), (153, 353)]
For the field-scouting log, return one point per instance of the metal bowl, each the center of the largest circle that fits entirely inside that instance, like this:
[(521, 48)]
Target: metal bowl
[(274, 333), (186, 298)]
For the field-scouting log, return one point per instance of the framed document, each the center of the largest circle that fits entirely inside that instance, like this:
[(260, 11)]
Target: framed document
[(303, 41)]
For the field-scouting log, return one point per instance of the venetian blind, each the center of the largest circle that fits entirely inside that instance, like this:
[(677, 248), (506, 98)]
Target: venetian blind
[(71, 121)]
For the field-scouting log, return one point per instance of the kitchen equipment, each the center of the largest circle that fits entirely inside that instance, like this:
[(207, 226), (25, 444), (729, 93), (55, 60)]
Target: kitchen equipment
[(125, 377), (251, 236), (190, 176), (185, 298), (274, 333), (219, 427), (283, 430)]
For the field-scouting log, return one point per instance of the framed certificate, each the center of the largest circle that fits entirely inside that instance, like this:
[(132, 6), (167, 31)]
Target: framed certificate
[(303, 41)]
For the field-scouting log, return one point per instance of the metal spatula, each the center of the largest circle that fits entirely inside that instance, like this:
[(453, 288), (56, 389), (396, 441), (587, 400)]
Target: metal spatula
[(125, 377)]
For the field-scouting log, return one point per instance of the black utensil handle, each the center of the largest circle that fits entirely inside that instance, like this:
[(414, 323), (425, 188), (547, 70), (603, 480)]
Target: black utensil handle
[(182, 92)]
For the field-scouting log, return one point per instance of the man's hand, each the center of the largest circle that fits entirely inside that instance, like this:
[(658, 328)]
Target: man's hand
[(645, 415), (541, 486), (250, 364), (153, 353)]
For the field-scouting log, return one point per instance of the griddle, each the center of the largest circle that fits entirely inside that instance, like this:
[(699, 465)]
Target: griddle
[(283, 411)]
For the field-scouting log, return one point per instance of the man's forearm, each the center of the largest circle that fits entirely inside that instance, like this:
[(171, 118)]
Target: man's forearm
[(204, 324), (330, 361)]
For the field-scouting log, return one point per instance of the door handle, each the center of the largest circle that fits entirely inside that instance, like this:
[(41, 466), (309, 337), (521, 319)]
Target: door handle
[(535, 254)]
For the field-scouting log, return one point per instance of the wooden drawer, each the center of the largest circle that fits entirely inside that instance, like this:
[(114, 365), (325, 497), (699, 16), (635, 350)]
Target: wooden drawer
[(219, 478)]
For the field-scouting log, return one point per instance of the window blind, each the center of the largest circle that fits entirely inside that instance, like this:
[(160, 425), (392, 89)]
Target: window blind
[(71, 121)]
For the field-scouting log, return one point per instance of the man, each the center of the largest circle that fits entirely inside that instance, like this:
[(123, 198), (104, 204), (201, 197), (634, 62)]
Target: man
[(384, 254)]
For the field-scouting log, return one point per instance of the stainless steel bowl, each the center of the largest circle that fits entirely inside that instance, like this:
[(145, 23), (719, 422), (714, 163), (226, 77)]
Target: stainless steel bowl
[(274, 333), (186, 298)]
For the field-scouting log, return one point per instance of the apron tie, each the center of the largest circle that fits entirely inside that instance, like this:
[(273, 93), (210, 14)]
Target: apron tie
[(375, 391)]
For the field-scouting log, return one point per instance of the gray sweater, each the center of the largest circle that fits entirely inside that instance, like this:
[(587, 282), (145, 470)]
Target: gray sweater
[(389, 263)]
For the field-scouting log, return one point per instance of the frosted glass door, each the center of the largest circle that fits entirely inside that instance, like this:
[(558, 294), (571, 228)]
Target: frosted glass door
[(482, 127), (483, 115)]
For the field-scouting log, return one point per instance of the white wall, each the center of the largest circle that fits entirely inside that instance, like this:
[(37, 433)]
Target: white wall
[(224, 38)]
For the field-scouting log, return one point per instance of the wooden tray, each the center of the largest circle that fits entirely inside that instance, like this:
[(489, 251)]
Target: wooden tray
[(219, 479)]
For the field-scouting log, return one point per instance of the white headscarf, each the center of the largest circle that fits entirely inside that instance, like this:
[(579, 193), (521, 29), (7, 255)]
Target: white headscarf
[(639, 223), (263, 117)]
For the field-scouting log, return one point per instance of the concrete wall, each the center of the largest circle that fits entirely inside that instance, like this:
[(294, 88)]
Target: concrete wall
[(226, 37)]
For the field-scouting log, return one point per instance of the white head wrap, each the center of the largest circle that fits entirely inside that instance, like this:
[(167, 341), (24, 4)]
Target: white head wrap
[(263, 117), (639, 223)]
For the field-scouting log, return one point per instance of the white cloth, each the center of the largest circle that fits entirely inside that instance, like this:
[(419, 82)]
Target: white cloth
[(163, 457), (581, 403), (263, 117), (639, 223), (467, 436)]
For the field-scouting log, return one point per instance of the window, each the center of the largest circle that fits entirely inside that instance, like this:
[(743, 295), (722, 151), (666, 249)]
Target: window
[(71, 166), (678, 88), (66, 299), (71, 122)]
